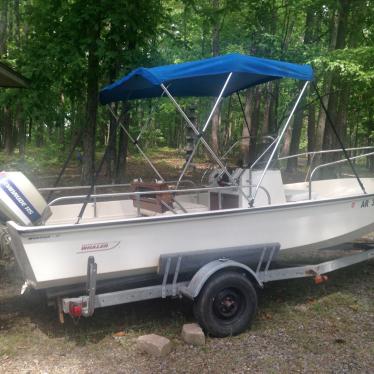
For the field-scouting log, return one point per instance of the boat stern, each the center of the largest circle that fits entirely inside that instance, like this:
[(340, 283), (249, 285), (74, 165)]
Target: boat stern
[(19, 252)]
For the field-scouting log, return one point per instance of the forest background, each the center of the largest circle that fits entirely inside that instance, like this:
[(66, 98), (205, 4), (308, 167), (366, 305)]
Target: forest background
[(69, 49)]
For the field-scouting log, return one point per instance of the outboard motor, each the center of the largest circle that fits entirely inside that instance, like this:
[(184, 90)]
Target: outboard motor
[(20, 201)]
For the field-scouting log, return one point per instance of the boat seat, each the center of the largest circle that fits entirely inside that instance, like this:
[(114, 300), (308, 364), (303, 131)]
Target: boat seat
[(299, 195), (157, 203)]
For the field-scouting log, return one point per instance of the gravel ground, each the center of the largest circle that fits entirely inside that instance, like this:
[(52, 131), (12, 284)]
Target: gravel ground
[(300, 327)]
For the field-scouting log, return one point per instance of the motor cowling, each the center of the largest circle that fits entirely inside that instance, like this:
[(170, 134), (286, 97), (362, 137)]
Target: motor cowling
[(20, 201)]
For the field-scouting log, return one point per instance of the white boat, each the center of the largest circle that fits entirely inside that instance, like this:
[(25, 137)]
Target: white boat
[(128, 232)]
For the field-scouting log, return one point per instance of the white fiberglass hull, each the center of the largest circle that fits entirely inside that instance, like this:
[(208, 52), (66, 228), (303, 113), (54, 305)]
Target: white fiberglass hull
[(57, 255)]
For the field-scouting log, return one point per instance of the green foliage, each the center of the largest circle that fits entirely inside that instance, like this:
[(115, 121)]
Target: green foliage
[(354, 65), (50, 47)]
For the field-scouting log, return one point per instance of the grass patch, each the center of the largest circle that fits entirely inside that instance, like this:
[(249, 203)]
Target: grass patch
[(336, 301), (22, 337)]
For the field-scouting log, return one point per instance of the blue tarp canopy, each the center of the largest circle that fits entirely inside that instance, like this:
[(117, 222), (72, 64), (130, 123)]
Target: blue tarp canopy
[(202, 78)]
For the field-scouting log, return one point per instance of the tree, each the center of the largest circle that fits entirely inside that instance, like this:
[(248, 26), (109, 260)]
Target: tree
[(69, 49)]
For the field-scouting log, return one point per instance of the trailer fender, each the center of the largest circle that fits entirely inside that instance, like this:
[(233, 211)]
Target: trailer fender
[(203, 274)]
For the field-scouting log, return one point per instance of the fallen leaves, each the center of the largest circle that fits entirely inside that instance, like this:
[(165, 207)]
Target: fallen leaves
[(119, 334)]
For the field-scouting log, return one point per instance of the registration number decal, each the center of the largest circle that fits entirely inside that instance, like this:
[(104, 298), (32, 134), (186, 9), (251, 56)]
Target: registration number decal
[(367, 203)]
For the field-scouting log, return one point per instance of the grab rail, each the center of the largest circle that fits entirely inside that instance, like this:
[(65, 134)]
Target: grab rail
[(70, 188), (324, 151), (317, 168), (314, 153), (138, 194)]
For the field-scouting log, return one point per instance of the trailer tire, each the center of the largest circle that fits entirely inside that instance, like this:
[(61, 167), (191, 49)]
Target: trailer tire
[(227, 304)]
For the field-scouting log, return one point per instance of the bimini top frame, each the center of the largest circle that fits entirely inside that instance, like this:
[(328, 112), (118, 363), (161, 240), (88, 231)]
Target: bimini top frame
[(222, 75)]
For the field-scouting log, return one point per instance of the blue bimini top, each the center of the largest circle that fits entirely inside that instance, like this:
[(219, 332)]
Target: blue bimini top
[(203, 77)]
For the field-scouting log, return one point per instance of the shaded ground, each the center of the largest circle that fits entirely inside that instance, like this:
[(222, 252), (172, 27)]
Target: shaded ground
[(169, 163), (300, 327)]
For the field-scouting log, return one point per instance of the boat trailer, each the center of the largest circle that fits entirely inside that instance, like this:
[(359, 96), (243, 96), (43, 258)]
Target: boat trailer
[(211, 266)]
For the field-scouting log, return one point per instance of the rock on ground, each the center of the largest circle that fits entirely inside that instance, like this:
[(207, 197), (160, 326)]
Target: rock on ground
[(153, 344), (193, 334)]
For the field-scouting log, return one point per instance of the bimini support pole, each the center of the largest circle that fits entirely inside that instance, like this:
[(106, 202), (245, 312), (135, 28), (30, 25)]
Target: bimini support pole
[(135, 142), (280, 136), (200, 134)]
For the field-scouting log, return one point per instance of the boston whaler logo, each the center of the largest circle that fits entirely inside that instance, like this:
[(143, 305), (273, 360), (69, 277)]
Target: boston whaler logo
[(97, 247)]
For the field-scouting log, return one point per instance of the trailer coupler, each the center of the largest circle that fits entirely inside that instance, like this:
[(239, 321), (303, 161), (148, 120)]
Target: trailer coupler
[(83, 305), (319, 279)]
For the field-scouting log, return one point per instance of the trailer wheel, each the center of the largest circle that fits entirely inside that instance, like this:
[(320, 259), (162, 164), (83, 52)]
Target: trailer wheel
[(226, 305)]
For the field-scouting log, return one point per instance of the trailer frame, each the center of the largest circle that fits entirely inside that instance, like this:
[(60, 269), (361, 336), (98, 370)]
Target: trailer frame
[(172, 266)]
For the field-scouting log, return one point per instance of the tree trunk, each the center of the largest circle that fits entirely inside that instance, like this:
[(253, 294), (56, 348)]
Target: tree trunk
[(3, 27), (88, 166), (29, 130), (296, 133), (310, 30), (370, 127), (111, 155), (298, 120), (321, 124), (112, 137), (216, 119), (8, 131), (17, 28), (327, 86), (20, 124), (311, 131), (39, 136), (342, 113), (276, 123), (287, 141), (329, 140), (250, 127), (244, 146), (295, 141), (123, 145), (255, 124), (61, 135), (2, 128), (266, 126), (61, 124), (227, 132)]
